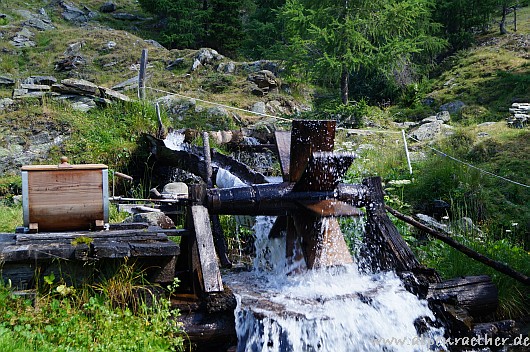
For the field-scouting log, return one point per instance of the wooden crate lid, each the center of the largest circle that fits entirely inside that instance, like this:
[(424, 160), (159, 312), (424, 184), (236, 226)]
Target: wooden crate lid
[(63, 167)]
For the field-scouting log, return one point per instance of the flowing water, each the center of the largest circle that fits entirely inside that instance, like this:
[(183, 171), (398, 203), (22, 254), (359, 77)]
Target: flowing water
[(336, 309)]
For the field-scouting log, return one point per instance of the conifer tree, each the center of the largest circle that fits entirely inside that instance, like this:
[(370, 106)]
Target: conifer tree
[(329, 39)]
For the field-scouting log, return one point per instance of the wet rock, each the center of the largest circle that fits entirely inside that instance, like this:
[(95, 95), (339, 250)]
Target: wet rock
[(108, 7)]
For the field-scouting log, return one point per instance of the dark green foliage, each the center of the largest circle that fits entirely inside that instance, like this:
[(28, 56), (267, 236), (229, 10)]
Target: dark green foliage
[(264, 30), (331, 40), (462, 19), (193, 24), (183, 21)]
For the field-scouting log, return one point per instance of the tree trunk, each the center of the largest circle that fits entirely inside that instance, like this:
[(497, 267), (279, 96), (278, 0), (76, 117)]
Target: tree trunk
[(344, 83), (514, 18), (502, 23)]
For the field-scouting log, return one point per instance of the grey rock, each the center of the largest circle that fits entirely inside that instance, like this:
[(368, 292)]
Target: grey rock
[(5, 103), (175, 64), (444, 116), (74, 49), (40, 24), (70, 63), (196, 64), (427, 131), (229, 67), (46, 80), (432, 222), (217, 111), (207, 56), (80, 85), (113, 95), (131, 83), (35, 87), (111, 45), (21, 93), (482, 134), (453, 107), (126, 16), (154, 43), (72, 13), (82, 104), (108, 7), (259, 107), (6, 81), (486, 124), (153, 219), (264, 81)]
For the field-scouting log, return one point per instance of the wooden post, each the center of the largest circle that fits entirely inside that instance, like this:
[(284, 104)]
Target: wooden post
[(382, 243), (406, 151), (207, 159), (161, 131), (141, 75)]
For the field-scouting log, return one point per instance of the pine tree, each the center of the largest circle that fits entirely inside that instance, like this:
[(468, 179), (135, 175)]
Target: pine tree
[(330, 39)]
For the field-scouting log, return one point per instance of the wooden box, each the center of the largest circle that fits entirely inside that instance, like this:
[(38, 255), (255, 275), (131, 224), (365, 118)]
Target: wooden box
[(65, 197)]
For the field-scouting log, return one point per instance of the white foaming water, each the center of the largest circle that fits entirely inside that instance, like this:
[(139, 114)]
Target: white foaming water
[(337, 309), (174, 140)]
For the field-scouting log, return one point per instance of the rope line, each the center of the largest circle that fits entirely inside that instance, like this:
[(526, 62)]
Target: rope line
[(348, 130), (218, 104), (471, 165)]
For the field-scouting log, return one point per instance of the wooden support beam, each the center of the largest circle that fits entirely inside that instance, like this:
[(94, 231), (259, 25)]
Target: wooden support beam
[(382, 241), (205, 264)]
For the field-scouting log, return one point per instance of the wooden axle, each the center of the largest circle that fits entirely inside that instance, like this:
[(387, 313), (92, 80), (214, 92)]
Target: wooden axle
[(281, 199)]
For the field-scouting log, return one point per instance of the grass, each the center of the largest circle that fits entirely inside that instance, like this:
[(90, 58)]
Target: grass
[(67, 318), (514, 297)]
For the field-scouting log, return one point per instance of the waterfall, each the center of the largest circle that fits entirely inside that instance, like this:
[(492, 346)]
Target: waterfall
[(335, 309)]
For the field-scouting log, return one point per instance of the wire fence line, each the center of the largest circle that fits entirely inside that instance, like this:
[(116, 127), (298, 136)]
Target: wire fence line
[(349, 130)]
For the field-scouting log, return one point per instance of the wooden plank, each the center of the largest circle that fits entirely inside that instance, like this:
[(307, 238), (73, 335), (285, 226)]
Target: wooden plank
[(118, 235), (307, 137), (283, 142), (211, 275)]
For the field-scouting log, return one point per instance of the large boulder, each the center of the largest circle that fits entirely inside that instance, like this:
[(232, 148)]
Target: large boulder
[(264, 81)]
